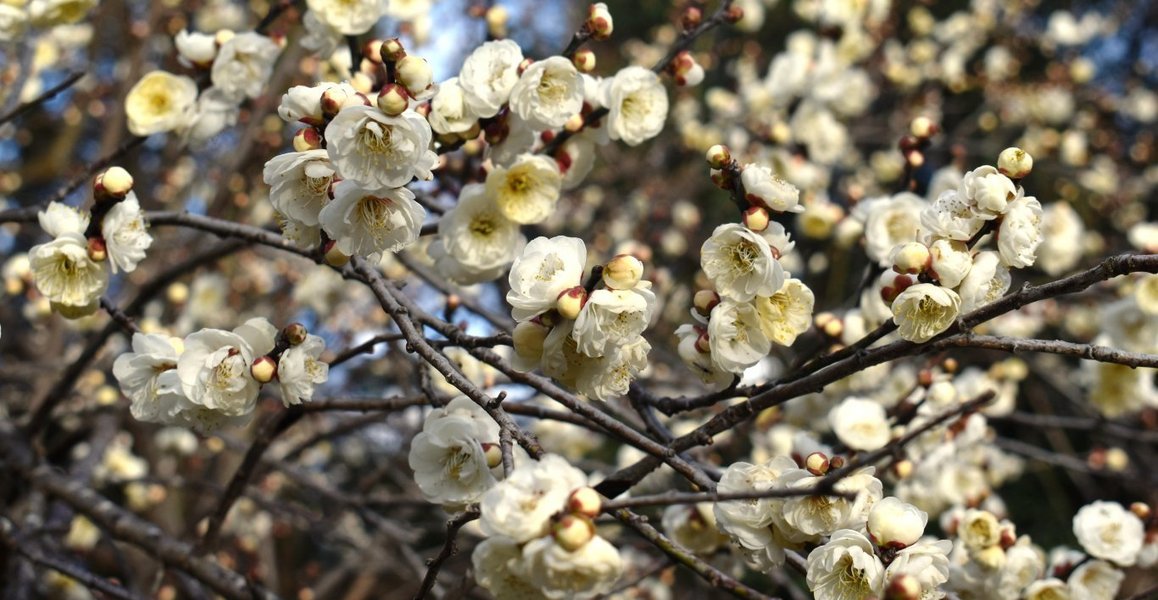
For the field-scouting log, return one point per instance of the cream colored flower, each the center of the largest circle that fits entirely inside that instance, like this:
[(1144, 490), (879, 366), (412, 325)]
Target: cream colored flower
[(365, 223), (860, 424), (548, 93), (126, 235), (787, 313), (348, 17), (379, 151), (526, 192), (735, 336), (475, 241), (489, 74), (845, 568), (243, 65), (1108, 531), (987, 281), (638, 105), (740, 263), (924, 310), (160, 101), (589, 571), (64, 273)]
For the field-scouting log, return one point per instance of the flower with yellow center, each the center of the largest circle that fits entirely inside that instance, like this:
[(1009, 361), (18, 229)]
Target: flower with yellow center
[(64, 273), (364, 223), (924, 310), (526, 192), (160, 101)]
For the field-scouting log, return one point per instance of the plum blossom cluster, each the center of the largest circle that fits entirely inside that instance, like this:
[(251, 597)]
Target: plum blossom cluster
[(1130, 323), (456, 457), (587, 336), (541, 539), (212, 377), (71, 269), (755, 303), (237, 66)]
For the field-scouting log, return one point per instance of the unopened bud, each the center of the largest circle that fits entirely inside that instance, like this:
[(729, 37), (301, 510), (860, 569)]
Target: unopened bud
[(496, 19), (893, 284), (903, 587), (415, 73), (334, 256), (923, 128), (1014, 163), (585, 501), (391, 50), (1117, 460), (572, 532), (333, 99), (584, 60), (718, 156), (599, 21), (1008, 537), (263, 369), (836, 462), (622, 272), (223, 36), (704, 301), (528, 338), (692, 76), (177, 293), (903, 468), (911, 257), (950, 365), (493, 454), (295, 333), (97, 251), (393, 99), (817, 463), (703, 343), (307, 139), (570, 302), (833, 328), (734, 14), (574, 123), (692, 17), (116, 182), (1141, 510), (756, 218), (364, 85), (915, 159)]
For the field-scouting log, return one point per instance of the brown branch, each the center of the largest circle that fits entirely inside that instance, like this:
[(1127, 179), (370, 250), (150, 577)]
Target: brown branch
[(19, 543), (42, 98), (668, 498), (450, 548)]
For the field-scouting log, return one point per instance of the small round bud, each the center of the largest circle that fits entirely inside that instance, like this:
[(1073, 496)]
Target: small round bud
[(364, 85), (307, 139), (895, 524), (574, 124), (570, 302), (903, 468), (334, 256), (528, 338), (822, 319), (295, 333), (415, 73), (1117, 460), (756, 218), (719, 156), (817, 463), (585, 501), (333, 99), (391, 50), (223, 36), (572, 532), (903, 587), (177, 293), (950, 365), (833, 328), (263, 369), (703, 343), (622, 272), (116, 182), (496, 18), (692, 17), (1014, 163), (1008, 536), (97, 251), (923, 127), (1141, 510), (584, 60), (704, 301), (599, 21), (372, 50), (915, 159), (393, 99), (493, 454), (836, 462), (912, 257), (734, 14)]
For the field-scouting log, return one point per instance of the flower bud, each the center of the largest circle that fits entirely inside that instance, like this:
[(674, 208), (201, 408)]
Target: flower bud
[(1141, 510), (295, 333), (836, 462), (896, 524), (979, 529), (719, 156), (570, 302), (223, 36), (585, 501), (391, 50), (622, 272), (903, 468), (307, 139), (703, 343), (903, 587), (692, 76), (333, 99), (493, 454), (334, 256), (584, 60), (572, 532), (496, 19), (599, 21), (263, 369), (833, 328), (756, 218), (704, 301), (393, 99), (1014, 163), (893, 284), (912, 257), (528, 338), (817, 463), (692, 17), (177, 293), (415, 73), (734, 14), (97, 251), (116, 182), (923, 128), (574, 123)]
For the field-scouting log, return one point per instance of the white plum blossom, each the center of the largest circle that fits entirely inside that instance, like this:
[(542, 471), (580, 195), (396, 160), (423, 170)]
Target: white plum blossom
[(548, 93), (348, 17), (66, 275), (890, 221), (805, 518), (735, 336), (495, 561), (300, 184), (379, 151), (787, 313), (448, 458), (895, 523), (449, 112), (950, 216), (987, 191), (927, 562), (215, 367), (740, 263), (243, 65), (1108, 531), (58, 219), (859, 423), (213, 112), (195, 47), (612, 317), (520, 506), (638, 105), (693, 526), (475, 241), (365, 223), (546, 268), (1061, 232), (125, 233), (489, 74), (987, 281), (1095, 580), (701, 363), (590, 571), (845, 568), (527, 190), (764, 188), (951, 261), (1020, 233), (159, 102), (750, 523), (924, 310), (299, 370), (148, 376)]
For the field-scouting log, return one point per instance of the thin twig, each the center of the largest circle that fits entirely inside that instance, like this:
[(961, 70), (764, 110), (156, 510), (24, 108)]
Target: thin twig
[(43, 97), (448, 549)]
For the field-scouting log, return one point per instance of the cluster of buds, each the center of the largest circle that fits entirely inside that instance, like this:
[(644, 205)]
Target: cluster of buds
[(819, 463), (913, 146), (893, 283), (264, 368), (108, 189), (575, 526)]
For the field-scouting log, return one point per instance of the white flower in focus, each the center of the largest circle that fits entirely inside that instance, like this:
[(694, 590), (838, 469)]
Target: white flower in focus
[(520, 506), (925, 561), (749, 523), (987, 281), (895, 523), (364, 223), (243, 65), (304, 103), (860, 424), (987, 191), (59, 218), (740, 263), (299, 184), (891, 221), (379, 151), (787, 313), (735, 336), (1020, 233), (526, 191), (548, 93), (544, 269), (196, 48), (125, 233), (806, 518), (924, 310), (489, 74), (950, 216), (449, 462), (348, 17), (475, 241), (449, 112), (610, 375), (160, 101), (590, 571), (148, 377), (299, 370), (64, 273), (638, 105), (1061, 247), (951, 261), (845, 568), (214, 368), (1095, 580), (701, 363), (764, 188), (612, 317), (1108, 531)]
